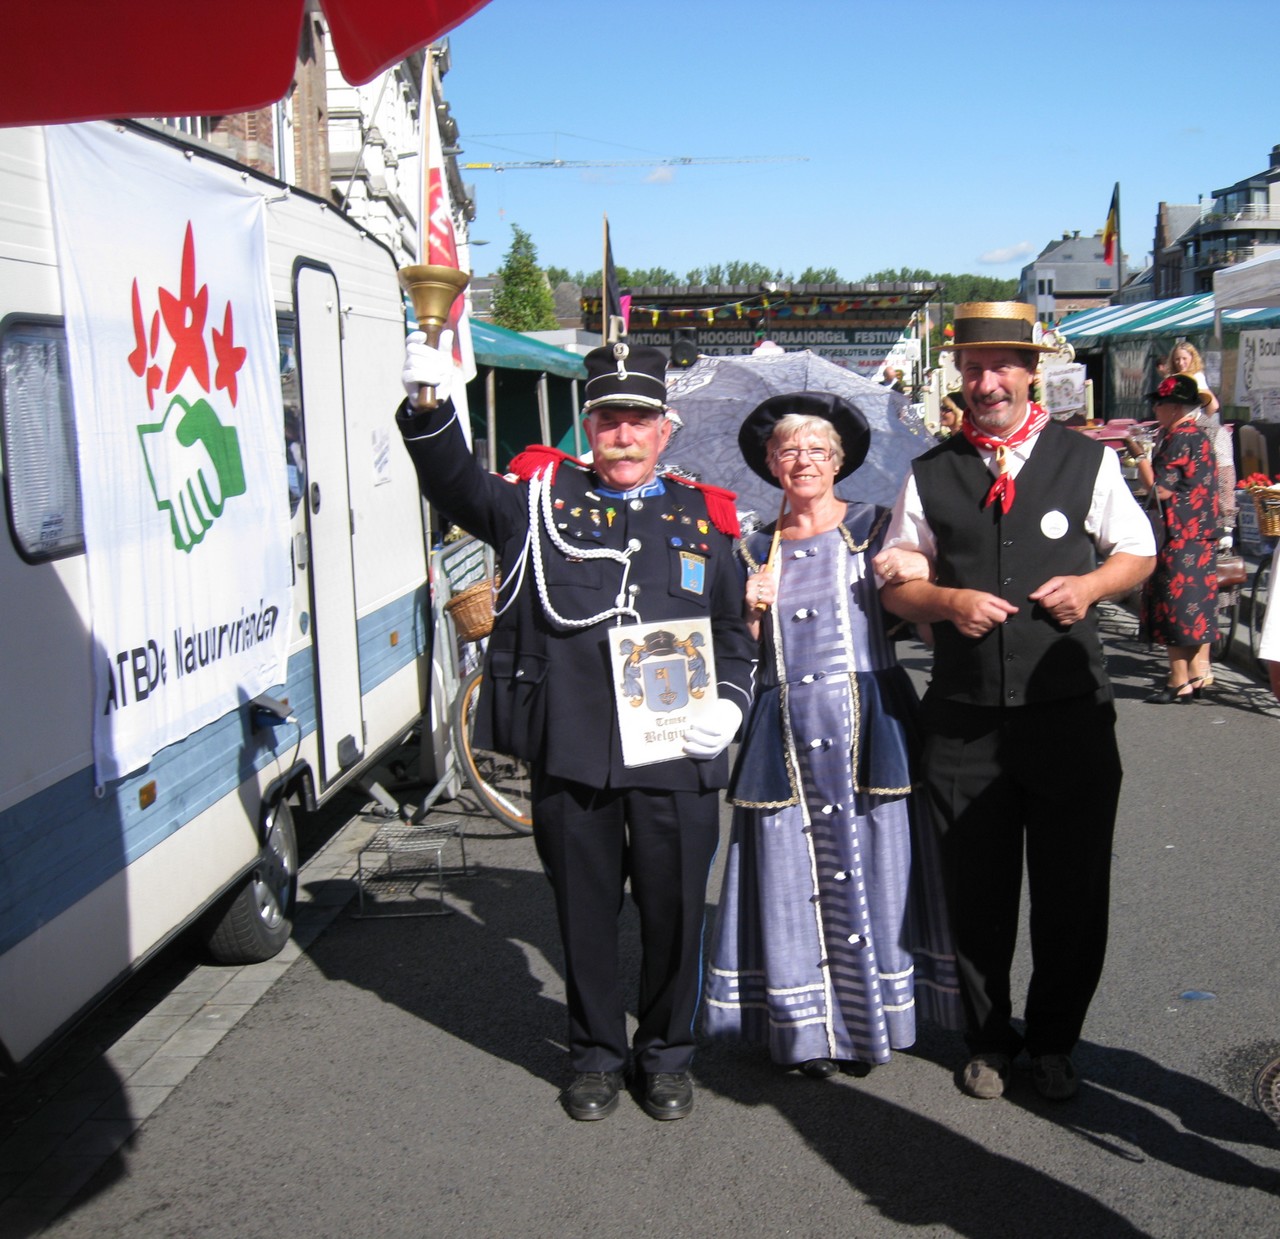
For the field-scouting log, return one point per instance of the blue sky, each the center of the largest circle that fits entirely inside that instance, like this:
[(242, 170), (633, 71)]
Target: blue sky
[(953, 137)]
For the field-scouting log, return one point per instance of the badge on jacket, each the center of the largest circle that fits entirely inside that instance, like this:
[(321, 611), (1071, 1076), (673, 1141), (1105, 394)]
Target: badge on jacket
[(693, 573)]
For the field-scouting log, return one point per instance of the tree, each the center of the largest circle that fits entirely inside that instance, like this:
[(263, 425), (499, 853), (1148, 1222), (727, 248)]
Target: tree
[(734, 273), (523, 301), (628, 277), (954, 287), (818, 275)]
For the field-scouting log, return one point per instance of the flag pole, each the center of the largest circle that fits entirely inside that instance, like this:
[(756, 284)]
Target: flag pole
[(604, 283), (1119, 245)]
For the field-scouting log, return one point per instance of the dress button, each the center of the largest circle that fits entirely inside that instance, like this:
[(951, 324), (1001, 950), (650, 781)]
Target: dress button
[(636, 505)]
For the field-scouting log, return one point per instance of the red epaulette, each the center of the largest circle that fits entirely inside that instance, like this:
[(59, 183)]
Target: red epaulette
[(536, 457), (720, 503)]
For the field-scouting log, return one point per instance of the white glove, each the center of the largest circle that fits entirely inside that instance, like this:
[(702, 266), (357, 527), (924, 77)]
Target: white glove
[(425, 366), (711, 735)]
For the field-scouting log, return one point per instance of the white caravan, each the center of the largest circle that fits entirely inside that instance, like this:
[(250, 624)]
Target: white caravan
[(94, 879)]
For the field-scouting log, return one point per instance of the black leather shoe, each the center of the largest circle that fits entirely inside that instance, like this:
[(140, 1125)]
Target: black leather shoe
[(593, 1095), (818, 1068), (668, 1094)]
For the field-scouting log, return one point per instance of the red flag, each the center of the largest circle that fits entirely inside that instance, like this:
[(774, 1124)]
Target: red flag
[(1112, 229), (441, 243), (615, 304)]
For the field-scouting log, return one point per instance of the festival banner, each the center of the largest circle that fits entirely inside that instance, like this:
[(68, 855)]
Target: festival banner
[(174, 365)]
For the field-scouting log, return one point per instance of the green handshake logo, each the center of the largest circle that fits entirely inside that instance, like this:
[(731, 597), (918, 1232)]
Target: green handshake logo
[(194, 464)]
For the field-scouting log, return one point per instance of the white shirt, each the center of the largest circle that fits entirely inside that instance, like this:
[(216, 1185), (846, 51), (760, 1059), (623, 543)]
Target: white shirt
[(1114, 521)]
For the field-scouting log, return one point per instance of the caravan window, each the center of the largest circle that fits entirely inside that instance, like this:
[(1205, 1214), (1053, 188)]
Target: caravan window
[(42, 477), (295, 448)]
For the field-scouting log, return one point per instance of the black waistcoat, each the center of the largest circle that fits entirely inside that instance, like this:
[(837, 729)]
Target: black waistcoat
[(1030, 658)]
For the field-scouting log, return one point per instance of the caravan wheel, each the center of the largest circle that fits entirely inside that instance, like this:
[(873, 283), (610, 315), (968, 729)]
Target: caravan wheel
[(258, 920)]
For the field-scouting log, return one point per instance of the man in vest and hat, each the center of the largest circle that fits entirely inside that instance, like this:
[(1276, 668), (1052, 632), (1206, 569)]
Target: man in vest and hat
[(1023, 526), (585, 552)]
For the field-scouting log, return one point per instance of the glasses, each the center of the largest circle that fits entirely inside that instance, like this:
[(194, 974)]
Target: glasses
[(789, 455)]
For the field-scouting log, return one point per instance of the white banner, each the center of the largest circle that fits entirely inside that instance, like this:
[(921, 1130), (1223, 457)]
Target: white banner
[(1258, 374), (175, 379)]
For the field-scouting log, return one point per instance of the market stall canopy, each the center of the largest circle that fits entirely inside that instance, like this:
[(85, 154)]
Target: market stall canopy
[(1177, 315), (509, 350), (70, 60), (1253, 283)]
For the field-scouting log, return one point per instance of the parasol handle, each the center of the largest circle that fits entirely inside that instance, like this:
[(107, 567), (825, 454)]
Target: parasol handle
[(771, 564)]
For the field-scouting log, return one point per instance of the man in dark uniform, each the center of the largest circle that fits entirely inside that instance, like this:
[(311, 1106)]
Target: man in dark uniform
[(584, 549), (1012, 516)]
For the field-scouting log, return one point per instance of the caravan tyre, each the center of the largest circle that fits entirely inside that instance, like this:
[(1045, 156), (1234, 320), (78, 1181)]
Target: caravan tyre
[(257, 921)]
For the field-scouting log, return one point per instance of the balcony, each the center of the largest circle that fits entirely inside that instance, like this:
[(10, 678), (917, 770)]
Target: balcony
[(1255, 214), (1212, 260)]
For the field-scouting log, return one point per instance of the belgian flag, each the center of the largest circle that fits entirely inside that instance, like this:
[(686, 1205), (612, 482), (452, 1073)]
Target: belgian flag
[(1111, 231)]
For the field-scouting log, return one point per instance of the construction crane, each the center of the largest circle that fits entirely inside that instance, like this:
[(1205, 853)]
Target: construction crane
[(678, 161)]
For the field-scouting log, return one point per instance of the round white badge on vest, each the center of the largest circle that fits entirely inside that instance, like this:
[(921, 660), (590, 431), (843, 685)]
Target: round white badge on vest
[(1054, 524)]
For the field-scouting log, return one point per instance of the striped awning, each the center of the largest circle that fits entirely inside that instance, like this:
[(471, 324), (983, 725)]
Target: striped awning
[(1175, 316)]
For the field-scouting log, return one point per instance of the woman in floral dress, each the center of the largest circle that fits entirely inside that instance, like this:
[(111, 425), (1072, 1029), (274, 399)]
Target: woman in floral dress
[(1181, 595)]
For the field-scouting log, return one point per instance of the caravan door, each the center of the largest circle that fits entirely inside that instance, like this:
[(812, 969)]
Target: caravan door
[(328, 500)]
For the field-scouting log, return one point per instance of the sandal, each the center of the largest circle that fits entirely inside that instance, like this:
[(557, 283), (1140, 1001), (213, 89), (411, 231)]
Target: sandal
[(1172, 694)]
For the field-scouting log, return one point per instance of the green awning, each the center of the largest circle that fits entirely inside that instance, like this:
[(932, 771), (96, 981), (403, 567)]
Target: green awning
[(509, 350)]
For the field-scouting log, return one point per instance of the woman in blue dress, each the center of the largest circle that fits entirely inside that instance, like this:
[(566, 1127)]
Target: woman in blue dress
[(830, 934)]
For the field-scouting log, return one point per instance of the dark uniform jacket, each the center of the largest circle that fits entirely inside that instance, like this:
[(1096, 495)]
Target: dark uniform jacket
[(548, 696), (1030, 658)]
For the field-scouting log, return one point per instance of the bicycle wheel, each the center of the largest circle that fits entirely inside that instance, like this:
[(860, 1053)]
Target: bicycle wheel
[(1227, 612), (500, 783), (1258, 611)]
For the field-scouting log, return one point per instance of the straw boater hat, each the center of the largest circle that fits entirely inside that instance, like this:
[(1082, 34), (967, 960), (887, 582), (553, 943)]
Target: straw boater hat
[(1181, 389), (998, 324), (850, 426), (631, 375)]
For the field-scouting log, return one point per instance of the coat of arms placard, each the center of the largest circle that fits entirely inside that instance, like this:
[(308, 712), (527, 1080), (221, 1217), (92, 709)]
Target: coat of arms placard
[(663, 680)]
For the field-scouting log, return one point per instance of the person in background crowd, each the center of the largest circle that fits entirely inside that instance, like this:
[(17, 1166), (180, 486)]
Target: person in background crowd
[(1013, 530), (1269, 646), (950, 415), (831, 880), (1184, 358), (582, 550), (893, 379), (1178, 603)]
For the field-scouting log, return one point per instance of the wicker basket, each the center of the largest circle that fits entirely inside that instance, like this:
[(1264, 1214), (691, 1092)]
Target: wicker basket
[(1267, 501), (471, 610)]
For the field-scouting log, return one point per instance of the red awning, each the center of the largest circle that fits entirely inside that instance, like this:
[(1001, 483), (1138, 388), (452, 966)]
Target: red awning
[(69, 60)]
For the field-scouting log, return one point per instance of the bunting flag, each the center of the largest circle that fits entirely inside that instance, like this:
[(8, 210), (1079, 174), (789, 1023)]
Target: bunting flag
[(1112, 228), (615, 304)]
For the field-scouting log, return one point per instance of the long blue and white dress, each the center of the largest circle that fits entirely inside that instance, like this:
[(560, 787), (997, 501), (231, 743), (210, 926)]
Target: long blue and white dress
[(831, 931)]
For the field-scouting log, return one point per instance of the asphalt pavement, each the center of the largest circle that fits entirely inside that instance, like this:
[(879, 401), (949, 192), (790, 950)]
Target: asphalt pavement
[(400, 1077)]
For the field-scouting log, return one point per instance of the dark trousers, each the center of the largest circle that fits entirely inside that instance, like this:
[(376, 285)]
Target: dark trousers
[(590, 842), (1044, 779)]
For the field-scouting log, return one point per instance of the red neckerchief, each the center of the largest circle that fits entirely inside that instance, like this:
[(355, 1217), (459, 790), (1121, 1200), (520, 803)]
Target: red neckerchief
[(1003, 487)]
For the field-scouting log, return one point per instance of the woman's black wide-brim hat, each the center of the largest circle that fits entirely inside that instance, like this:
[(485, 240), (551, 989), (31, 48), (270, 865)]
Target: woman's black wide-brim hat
[(757, 427)]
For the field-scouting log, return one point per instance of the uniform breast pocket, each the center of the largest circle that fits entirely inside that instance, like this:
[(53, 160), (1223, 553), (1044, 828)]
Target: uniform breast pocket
[(690, 576), (568, 575)]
